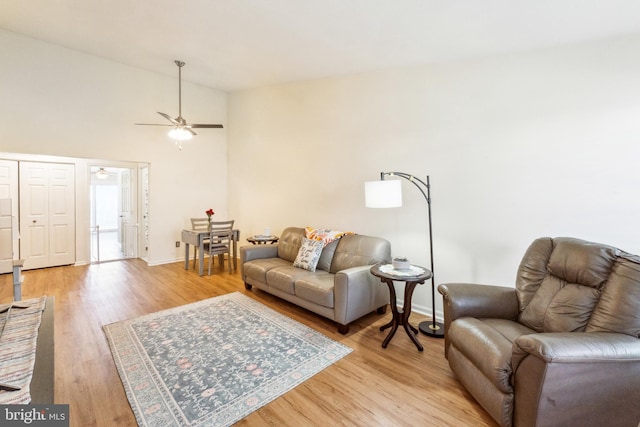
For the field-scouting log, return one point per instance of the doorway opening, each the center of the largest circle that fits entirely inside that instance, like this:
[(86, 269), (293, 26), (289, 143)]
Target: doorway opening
[(114, 224)]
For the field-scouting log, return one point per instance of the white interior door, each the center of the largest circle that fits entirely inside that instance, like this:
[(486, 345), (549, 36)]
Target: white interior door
[(128, 218), (6, 236), (9, 214), (143, 190), (47, 214)]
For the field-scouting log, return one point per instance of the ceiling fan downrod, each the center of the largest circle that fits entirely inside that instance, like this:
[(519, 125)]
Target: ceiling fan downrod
[(180, 64)]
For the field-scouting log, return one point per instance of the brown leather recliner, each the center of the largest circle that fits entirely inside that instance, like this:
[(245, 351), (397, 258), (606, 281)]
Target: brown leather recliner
[(562, 348)]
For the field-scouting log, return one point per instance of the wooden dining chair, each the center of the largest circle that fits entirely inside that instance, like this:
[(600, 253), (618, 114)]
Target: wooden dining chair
[(220, 242), (198, 224)]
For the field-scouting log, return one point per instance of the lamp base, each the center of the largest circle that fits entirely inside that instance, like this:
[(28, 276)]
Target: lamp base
[(432, 329)]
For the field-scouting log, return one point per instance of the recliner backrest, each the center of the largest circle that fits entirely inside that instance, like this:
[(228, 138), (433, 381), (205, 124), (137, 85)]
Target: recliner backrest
[(571, 285)]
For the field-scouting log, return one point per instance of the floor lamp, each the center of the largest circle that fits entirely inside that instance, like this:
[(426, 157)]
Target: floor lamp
[(388, 194)]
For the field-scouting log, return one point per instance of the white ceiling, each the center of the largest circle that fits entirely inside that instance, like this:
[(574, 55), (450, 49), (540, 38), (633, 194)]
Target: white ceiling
[(236, 44)]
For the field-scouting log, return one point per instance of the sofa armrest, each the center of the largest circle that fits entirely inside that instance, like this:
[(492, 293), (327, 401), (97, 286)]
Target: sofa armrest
[(576, 378), (248, 253), (357, 292)]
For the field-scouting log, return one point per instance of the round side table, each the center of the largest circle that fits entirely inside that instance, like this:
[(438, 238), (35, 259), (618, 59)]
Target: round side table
[(262, 240), (414, 276)]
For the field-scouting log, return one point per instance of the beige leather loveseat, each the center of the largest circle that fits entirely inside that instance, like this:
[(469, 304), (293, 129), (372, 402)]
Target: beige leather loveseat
[(341, 288), (562, 348)]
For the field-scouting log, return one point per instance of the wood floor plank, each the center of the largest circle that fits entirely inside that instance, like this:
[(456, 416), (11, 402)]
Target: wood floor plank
[(372, 386)]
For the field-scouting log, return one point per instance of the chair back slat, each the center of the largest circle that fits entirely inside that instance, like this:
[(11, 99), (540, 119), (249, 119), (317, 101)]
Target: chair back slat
[(222, 226), (199, 223)]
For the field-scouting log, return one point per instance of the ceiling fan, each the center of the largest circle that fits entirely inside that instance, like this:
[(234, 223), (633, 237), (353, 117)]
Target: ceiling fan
[(182, 130)]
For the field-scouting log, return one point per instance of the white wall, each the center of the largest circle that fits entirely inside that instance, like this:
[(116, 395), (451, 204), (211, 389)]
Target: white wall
[(517, 147), (59, 102)]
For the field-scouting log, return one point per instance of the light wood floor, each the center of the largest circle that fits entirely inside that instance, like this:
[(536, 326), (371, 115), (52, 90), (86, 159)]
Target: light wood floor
[(372, 386)]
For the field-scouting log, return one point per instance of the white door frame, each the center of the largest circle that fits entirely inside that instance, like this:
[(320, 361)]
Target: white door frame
[(134, 228)]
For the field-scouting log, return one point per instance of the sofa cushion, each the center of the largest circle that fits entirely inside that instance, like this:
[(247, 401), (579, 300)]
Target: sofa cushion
[(356, 250), (308, 254), (290, 242), (330, 239), (283, 278), (317, 289), (495, 337), (324, 263), (257, 269)]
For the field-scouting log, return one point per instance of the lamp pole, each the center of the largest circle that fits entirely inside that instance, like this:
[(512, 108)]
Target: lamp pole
[(431, 328)]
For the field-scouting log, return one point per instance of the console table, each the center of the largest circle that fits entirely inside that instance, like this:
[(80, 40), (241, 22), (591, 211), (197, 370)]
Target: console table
[(414, 276), (18, 278)]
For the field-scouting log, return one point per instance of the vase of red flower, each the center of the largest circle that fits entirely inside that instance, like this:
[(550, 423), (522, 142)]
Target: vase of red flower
[(209, 213)]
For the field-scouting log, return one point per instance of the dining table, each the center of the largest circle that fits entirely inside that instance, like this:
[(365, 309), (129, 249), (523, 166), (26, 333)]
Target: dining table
[(197, 238)]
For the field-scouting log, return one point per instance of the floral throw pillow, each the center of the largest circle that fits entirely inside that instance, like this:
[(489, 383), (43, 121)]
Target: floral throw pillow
[(324, 235), (309, 254)]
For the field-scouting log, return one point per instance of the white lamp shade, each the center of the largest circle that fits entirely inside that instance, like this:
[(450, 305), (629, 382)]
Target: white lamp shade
[(383, 194)]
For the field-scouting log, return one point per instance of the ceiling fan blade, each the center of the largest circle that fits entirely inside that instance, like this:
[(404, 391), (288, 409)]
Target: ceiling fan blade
[(190, 130), (168, 117), (203, 126)]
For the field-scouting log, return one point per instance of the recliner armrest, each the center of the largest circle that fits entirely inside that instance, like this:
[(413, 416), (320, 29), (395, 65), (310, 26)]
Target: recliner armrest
[(576, 378), (475, 300), (576, 347), (481, 301)]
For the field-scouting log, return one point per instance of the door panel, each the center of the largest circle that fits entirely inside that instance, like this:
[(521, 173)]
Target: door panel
[(59, 245), (38, 241), (6, 236), (38, 198), (143, 248), (128, 223), (47, 214), (9, 246), (9, 182)]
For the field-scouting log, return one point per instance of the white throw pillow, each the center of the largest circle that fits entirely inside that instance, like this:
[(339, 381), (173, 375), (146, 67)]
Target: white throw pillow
[(308, 254)]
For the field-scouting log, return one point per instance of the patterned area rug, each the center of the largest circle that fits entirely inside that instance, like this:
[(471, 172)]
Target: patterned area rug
[(213, 362), (19, 325)]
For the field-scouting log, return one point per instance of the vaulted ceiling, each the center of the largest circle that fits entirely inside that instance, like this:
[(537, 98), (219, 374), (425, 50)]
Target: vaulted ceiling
[(236, 44)]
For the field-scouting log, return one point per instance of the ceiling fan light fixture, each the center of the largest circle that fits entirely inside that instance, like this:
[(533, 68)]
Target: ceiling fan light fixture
[(180, 134)]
